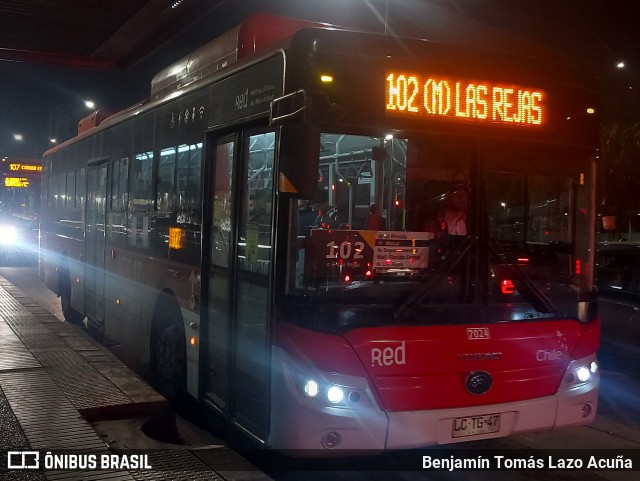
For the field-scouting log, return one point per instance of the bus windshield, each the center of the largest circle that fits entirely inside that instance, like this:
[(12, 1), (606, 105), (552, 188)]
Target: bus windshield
[(438, 220)]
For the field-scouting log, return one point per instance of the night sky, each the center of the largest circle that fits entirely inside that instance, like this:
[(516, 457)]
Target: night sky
[(594, 34)]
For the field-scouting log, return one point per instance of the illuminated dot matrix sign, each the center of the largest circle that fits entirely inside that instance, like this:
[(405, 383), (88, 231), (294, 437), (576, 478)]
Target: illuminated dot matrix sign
[(16, 182), (411, 94)]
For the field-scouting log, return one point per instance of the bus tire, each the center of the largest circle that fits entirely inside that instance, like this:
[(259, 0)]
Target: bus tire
[(169, 352)]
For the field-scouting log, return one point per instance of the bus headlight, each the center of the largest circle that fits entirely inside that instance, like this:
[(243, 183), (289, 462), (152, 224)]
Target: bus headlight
[(335, 394), (311, 388), (327, 390), (583, 374), (8, 235)]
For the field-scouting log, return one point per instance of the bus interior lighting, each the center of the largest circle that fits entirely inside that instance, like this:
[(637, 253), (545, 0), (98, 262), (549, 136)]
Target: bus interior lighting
[(326, 79)]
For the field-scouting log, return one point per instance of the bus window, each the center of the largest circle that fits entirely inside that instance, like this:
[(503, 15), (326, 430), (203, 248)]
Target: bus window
[(141, 199), (616, 271), (416, 187), (166, 179), (254, 250), (222, 204), (534, 208), (188, 184), (70, 191), (80, 190), (116, 230)]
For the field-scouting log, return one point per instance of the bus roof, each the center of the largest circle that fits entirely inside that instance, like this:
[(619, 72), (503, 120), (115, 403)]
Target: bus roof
[(253, 35)]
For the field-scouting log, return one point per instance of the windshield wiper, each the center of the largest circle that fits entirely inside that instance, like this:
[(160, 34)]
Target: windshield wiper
[(433, 278), (527, 288)]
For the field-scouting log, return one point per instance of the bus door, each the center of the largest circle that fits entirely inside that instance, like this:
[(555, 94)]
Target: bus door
[(95, 216), (238, 282)]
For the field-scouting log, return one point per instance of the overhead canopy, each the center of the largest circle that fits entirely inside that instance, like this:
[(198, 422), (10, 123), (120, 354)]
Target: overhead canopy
[(95, 34)]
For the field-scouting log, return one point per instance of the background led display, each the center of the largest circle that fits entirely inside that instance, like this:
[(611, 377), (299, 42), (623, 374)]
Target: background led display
[(411, 94), (16, 182)]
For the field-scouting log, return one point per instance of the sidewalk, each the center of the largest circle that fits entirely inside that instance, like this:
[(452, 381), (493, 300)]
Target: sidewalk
[(62, 391)]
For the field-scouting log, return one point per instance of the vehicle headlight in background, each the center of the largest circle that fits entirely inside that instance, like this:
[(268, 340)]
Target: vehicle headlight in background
[(8, 235)]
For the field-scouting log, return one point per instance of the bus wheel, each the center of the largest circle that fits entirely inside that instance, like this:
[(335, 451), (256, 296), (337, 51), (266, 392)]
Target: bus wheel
[(170, 361)]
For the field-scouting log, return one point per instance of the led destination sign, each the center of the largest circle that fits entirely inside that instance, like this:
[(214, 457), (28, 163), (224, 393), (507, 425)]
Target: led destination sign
[(16, 167), (19, 182), (417, 95)]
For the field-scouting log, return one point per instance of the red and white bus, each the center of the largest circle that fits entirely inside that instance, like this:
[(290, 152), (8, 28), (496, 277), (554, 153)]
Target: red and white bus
[(341, 240)]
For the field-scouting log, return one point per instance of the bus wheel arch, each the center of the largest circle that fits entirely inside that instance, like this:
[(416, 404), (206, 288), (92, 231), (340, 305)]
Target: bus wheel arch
[(168, 349)]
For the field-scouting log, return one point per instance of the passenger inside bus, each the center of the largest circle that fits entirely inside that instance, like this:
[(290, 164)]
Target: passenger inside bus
[(452, 218), (307, 215), (374, 220)]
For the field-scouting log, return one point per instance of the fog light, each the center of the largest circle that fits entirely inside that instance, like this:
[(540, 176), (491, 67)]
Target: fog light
[(335, 394), (331, 439), (586, 410), (583, 374)]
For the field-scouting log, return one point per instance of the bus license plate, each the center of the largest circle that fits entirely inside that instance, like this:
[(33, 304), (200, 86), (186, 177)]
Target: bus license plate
[(476, 425)]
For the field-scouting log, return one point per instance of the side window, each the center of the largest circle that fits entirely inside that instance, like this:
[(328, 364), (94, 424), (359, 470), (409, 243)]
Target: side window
[(615, 271), (70, 191), (141, 200), (188, 185), (222, 204), (118, 202), (166, 179), (59, 189), (80, 188), (254, 247)]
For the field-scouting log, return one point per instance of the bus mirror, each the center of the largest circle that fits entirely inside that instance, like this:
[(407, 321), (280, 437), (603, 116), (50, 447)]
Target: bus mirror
[(298, 151)]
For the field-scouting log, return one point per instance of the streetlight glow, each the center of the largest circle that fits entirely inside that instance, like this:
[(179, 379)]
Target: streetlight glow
[(620, 65), (90, 104), (18, 137)]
